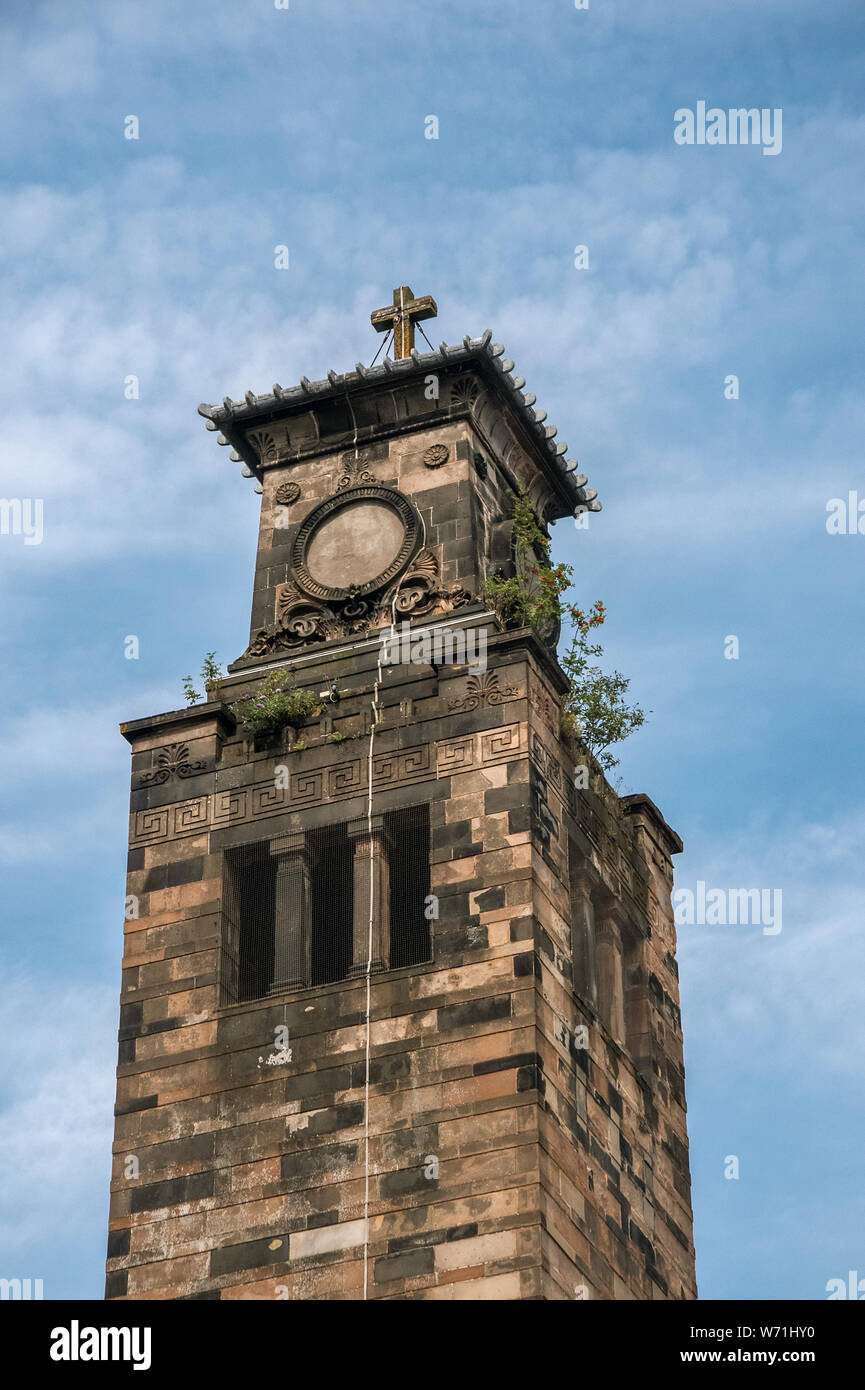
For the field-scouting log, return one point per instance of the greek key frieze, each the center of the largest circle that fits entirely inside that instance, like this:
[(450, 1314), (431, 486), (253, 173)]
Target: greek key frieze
[(270, 797)]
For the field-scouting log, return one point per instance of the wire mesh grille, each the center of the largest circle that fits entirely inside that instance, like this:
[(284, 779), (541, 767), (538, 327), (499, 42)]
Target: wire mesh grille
[(409, 886), (248, 923), (289, 920), (332, 858)]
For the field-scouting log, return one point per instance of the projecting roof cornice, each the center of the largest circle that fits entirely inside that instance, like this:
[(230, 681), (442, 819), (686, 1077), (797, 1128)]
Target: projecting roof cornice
[(236, 421)]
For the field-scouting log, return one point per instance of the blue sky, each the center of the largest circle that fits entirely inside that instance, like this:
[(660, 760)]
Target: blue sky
[(155, 257)]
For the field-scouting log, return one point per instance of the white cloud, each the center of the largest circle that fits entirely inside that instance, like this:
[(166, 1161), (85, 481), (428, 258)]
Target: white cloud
[(136, 280), (786, 1005), (55, 1115)]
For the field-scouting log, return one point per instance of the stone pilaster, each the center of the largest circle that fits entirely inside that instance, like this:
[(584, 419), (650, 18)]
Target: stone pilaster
[(371, 891), (610, 955), (584, 937), (293, 913)]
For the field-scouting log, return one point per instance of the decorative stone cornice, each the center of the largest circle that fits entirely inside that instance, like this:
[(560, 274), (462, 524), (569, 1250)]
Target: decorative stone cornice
[(197, 721), (643, 808), (480, 358)]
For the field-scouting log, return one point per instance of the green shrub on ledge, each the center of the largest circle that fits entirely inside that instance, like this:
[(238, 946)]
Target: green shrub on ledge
[(595, 705), (211, 675), (531, 598), (275, 705)]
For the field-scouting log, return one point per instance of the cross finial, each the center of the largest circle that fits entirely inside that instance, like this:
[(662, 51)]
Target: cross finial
[(401, 317)]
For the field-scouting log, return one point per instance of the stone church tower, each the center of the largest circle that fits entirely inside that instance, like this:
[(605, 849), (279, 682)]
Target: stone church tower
[(399, 1011)]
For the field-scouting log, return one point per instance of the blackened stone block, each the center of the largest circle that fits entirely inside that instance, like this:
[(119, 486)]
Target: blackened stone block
[(464, 1232), (250, 1254), (522, 1059), (677, 1231), (404, 1181), (118, 1243), (474, 1011), (491, 899), (321, 1218), (465, 885), (191, 1149), (505, 798), (129, 979), (116, 1283), (382, 1070), (172, 1192), (321, 1162), (398, 1244), (445, 836), (530, 1079), (317, 1083), (130, 1018), (457, 940), (522, 929), (545, 944), (335, 1118), (455, 905), (404, 1144), (406, 1266), (129, 1107), (524, 964), (160, 1025), (423, 1239), (173, 875)]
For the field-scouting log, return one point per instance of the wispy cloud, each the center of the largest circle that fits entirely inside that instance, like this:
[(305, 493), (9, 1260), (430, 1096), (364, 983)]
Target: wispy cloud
[(155, 258), (56, 1105)]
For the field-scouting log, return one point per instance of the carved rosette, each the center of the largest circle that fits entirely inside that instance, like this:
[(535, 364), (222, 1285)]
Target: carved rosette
[(436, 455), (286, 494)]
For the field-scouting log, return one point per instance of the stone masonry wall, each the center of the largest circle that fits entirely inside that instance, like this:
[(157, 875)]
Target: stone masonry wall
[(560, 1171)]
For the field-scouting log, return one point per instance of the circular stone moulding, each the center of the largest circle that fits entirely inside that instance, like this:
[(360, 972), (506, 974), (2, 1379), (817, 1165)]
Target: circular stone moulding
[(355, 542)]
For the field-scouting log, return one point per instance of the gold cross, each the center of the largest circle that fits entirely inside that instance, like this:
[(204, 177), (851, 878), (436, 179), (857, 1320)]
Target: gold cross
[(401, 316)]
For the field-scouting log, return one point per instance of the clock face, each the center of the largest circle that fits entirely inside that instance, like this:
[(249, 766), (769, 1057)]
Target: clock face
[(354, 543)]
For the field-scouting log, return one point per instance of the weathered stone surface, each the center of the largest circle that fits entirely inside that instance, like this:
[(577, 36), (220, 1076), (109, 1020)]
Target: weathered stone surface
[(525, 1101)]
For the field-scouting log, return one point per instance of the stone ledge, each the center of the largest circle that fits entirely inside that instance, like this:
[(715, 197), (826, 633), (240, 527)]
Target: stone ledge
[(183, 721)]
